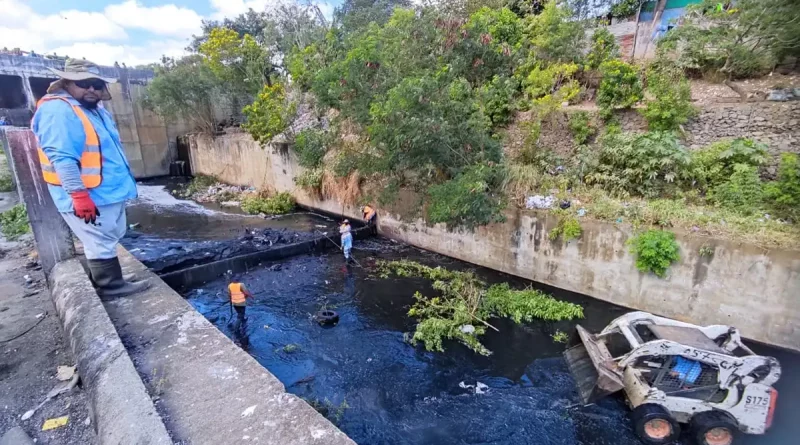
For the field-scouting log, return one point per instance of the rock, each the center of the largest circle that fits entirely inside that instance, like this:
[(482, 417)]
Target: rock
[(778, 95)]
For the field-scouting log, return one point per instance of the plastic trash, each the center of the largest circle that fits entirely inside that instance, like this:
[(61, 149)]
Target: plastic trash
[(540, 202), (467, 329), (581, 212), (57, 422)]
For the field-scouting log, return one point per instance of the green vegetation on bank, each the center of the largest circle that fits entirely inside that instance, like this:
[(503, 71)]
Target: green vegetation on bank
[(425, 99), (14, 222), (277, 204), (464, 305)]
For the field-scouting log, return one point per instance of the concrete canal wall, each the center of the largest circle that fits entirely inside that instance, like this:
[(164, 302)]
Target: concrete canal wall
[(755, 289)]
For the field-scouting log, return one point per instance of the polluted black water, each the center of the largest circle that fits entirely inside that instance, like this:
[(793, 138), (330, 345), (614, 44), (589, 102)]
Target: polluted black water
[(362, 374), (378, 389), (168, 233)]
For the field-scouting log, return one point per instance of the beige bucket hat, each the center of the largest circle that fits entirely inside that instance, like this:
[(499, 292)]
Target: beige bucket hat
[(75, 69)]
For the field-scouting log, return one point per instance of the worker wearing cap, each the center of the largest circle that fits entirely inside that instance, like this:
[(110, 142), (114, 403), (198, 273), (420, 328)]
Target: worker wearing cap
[(370, 216), (347, 239), (239, 295), (84, 165)]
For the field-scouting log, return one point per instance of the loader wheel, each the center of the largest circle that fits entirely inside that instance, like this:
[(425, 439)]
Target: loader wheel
[(654, 424), (713, 428)]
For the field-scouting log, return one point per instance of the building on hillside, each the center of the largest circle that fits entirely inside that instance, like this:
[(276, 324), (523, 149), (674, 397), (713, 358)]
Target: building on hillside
[(636, 34)]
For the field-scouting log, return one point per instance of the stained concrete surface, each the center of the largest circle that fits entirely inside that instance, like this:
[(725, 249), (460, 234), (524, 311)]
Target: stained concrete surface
[(207, 390), (29, 362)]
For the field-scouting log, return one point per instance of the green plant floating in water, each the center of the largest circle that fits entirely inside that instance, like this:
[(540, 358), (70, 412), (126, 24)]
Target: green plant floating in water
[(290, 348), (560, 336), (464, 304)]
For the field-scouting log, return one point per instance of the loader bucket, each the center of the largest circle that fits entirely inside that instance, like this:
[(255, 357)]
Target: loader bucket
[(592, 367)]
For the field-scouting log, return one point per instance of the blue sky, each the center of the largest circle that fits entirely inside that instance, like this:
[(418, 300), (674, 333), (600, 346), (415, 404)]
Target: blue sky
[(105, 31)]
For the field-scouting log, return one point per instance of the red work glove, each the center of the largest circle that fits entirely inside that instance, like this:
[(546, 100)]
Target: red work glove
[(84, 207)]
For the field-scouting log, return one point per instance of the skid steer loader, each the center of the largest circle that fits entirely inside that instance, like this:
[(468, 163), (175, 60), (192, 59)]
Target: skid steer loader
[(677, 373)]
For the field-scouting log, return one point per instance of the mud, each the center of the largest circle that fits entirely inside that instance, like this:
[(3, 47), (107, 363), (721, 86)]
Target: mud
[(168, 233)]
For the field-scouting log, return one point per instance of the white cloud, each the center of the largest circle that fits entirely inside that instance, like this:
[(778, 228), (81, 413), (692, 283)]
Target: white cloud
[(169, 20)]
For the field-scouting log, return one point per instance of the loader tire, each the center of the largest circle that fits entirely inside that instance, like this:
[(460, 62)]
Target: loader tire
[(655, 425), (713, 428)]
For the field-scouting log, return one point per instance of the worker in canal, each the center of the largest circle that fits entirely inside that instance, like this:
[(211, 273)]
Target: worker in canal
[(347, 239), (84, 165), (370, 216), (239, 295)]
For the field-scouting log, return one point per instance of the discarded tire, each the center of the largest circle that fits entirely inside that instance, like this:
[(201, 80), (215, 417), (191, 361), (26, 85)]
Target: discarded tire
[(327, 318), (654, 424)]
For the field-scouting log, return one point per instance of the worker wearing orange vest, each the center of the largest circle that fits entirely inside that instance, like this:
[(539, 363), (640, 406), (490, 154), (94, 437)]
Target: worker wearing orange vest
[(239, 295), (370, 216), (84, 165)]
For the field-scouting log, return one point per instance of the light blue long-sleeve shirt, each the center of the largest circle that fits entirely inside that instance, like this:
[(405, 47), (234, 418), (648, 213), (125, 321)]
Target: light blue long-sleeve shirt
[(60, 134)]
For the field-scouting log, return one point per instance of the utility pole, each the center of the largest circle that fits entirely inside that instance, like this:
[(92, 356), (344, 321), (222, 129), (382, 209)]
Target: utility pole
[(50, 231)]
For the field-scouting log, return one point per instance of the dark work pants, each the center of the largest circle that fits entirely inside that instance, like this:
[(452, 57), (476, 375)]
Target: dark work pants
[(240, 310)]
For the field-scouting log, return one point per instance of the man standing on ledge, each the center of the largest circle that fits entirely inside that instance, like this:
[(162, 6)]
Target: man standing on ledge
[(84, 165)]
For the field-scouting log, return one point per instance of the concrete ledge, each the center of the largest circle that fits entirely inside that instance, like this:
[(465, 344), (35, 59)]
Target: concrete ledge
[(121, 408), (209, 390)]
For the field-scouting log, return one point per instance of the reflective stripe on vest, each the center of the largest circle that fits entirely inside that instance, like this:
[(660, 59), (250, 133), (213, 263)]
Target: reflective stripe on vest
[(91, 164), (237, 296)]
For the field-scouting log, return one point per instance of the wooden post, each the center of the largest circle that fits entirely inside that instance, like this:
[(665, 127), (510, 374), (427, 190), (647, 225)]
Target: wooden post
[(50, 231)]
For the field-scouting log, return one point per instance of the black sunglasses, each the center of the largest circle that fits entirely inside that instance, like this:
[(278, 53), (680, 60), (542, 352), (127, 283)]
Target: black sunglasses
[(97, 84)]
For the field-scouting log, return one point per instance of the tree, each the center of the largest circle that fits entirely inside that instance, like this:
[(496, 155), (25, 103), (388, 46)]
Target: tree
[(554, 36), (251, 22), (356, 15), (239, 61), (185, 88), (736, 40)]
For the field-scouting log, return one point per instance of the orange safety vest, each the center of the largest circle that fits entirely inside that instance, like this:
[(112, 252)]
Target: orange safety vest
[(237, 295), (91, 158), (368, 212)]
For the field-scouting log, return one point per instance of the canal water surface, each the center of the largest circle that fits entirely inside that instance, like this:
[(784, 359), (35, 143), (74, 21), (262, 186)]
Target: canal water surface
[(379, 389)]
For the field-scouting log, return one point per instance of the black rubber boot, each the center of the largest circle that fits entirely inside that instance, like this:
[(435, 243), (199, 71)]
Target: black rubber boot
[(108, 281)]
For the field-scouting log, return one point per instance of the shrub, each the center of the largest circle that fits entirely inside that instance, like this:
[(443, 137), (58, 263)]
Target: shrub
[(671, 106), (270, 114), (620, 87), (310, 179), (568, 228), (310, 147), (553, 34), (281, 203), (649, 165), (655, 251), (742, 192), (784, 193), (581, 127), (603, 48), (497, 99), (743, 40), (199, 183), (6, 184), (714, 164), (14, 222), (471, 199)]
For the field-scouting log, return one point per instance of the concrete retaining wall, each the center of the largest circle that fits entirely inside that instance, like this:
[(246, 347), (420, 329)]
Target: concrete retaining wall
[(754, 289)]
